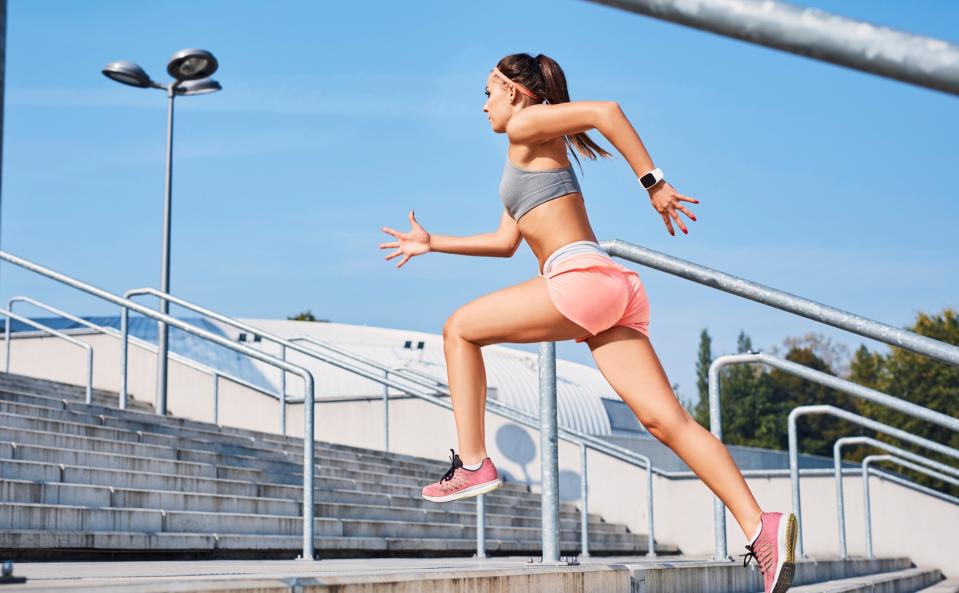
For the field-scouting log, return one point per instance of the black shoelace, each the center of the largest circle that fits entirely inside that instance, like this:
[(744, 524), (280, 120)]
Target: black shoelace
[(455, 462), (749, 556)]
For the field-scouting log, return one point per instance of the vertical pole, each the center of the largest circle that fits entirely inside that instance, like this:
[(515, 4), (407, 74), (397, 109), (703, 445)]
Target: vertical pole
[(163, 331), (868, 507), (794, 480), (124, 363), (386, 416), (7, 322), (584, 509), (216, 398), (309, 464), (89, 374), (549, 453), (716, 427), (283, 392), (481, 526), (840, 501), (3, 59), (651, 536)]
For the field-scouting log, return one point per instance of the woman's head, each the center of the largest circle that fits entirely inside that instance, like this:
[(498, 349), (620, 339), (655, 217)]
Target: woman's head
[(544, 79)]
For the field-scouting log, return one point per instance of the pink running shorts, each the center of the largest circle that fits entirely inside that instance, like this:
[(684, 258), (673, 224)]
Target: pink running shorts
[(597, 293)]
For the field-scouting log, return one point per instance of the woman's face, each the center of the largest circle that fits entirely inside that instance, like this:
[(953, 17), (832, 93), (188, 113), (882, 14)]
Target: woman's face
[(499, 107)]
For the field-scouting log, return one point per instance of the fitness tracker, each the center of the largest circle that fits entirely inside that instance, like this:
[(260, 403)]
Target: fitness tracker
[(652, 178)]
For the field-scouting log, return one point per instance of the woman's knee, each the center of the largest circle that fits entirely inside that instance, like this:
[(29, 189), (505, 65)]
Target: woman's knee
[(666, 425)]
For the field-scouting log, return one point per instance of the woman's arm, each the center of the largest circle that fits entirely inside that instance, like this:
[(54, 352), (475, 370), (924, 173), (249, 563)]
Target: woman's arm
[(501, 243), (537, 123)]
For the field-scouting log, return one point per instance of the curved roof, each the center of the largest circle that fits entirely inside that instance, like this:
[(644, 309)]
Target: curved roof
[(512, 376)]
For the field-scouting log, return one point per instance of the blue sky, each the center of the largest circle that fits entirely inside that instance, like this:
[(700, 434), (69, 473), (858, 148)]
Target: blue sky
[(338, 118)]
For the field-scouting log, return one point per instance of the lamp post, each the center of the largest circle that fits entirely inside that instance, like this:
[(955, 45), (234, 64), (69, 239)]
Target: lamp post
[(191, 70)]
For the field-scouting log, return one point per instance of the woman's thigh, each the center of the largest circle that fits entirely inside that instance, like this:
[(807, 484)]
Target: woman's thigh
[(520, 314)]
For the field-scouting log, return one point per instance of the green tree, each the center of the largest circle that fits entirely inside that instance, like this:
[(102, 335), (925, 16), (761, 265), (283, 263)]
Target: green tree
[(701, 411), (304, 316)]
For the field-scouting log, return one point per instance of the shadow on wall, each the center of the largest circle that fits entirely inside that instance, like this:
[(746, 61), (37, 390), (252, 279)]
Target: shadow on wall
[(515, 443)]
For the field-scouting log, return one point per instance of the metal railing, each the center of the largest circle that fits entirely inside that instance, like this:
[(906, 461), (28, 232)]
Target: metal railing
[(785, 301), (837, 467), (865, 488), (856, 419), (848, 387), (308, 419), (48, 330), (817, 34), (436, 391), (215, 374)]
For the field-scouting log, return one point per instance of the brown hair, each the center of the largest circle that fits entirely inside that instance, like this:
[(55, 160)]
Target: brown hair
[(543, 76)]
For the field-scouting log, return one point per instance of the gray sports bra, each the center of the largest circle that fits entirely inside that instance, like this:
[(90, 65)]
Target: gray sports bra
[(523, 189)]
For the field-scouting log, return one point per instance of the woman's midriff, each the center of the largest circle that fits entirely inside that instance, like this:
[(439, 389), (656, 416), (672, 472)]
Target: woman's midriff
[(555, 223)]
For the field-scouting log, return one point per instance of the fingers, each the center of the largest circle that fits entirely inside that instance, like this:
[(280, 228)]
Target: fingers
[(679, 222), (393, 232), (683, 209), (394, 254), (405, 259), (687, 199), (388, 245), (669, 225)]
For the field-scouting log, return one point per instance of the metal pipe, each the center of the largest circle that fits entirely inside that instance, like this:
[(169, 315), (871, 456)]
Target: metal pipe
[(779, 299), (856, 419), (549, 452), (308, 413), (837, 468), (49, 330), (854, 389), (865, 488), (924, 61), (584, 510), (163, 332), (282, 392), (386, 415), (216, 398), (481, 526)]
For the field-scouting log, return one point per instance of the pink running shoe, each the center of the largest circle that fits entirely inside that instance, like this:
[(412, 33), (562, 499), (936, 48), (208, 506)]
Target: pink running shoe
[(774, 548), (460, 482)]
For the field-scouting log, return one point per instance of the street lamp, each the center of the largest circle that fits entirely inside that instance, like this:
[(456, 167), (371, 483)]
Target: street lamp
[(191, 70)]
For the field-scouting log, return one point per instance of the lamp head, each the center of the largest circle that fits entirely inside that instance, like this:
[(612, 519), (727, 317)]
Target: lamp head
[(128, 73), (191, 64), (198, 87)]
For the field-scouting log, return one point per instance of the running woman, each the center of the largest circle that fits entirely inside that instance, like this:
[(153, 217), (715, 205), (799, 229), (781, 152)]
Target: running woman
[(580, 293)]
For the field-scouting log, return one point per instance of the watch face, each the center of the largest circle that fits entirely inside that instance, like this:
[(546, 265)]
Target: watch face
[(647, 180)]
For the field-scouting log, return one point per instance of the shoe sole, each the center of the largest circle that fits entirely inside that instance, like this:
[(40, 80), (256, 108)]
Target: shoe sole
[(788, 553), (467, 492)]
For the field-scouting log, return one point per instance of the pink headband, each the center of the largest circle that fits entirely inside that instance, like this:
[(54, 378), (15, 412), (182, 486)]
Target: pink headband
[(519, 87)]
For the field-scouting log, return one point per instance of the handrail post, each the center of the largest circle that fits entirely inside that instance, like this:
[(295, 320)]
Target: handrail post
[(583, 510), (283, 392), (856, 419), (650, 523), (124, 360), (481, 526), (216, 398), (862, 440), (549, 458), (720, 554), (386, 412), (6, 339), (867, 507)]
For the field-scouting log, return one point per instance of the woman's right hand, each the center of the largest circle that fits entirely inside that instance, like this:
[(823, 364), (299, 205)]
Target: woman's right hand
[(415, 242)]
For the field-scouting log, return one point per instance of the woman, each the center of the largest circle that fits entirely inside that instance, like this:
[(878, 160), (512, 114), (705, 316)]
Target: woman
[(581, 294)]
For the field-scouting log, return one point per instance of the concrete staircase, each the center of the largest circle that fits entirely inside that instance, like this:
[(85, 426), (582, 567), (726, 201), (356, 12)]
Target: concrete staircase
[(81, 481)]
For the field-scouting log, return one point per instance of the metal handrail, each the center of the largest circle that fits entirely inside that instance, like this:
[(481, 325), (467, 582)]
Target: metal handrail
[(49, 330), (837, 468), (802, 371), (308, 416), (788, 302), (497, 408), (215, 374), (865, 488), (781, 300), (817, 34), (856, 419)]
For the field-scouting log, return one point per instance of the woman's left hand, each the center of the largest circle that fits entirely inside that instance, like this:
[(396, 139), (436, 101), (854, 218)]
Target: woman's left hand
[(665, 200)]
